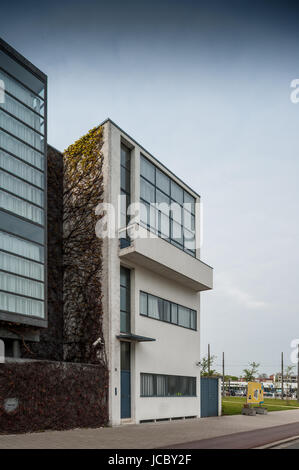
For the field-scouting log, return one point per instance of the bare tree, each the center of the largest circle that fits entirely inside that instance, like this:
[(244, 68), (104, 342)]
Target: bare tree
[(206, 366), (251, 372)]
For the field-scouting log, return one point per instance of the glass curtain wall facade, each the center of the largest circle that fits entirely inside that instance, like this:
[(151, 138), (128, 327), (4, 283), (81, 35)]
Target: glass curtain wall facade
[(22, 189)]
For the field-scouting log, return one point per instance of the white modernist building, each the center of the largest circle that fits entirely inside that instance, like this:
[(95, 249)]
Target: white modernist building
[(152, 280)]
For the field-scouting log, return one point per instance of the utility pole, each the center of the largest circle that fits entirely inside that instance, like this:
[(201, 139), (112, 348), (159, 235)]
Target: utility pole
[(209, 360), (282, 375), (298, 375), (223, 376)]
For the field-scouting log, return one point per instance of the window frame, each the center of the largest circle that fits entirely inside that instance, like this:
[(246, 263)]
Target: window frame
[(192, 385), (185, 194), (171, 304)]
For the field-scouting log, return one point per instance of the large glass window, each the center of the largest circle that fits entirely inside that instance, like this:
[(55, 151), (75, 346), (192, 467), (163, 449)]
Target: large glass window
[(164, 310), (157, 385), (167, 209)]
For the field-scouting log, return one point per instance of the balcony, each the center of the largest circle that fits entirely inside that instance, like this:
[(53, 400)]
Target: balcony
[(161, 257)]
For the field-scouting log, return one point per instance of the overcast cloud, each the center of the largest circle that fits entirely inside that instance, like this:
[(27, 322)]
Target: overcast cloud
[(205, 87)]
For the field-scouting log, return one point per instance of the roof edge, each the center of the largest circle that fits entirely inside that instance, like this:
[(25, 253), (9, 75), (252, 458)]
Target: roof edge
[(22, 60), (151, 155)]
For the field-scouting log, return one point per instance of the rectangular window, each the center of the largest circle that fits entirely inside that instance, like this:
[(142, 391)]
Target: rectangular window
[(23, 113), (174, 313), (157, 385), (174, 215), (125, 192), (125, 303), (22, 305), (193, 319), (163, 182), (143, 303), (21, 150), (125, 355), (164, 310), (20, 188), (184, 317), (21, 285), (21, 266), (21, 131), (147, 170), (153, 307), (21, 247), (20, 169), (22, 208)]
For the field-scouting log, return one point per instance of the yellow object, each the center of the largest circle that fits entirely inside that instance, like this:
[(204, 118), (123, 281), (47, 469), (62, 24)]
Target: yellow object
[(255, 393)]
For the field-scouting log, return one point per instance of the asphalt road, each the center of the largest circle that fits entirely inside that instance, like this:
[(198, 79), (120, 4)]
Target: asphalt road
[(245, 440), (288, 445)]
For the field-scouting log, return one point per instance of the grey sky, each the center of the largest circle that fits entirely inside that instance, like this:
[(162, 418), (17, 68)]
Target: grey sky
[(205, 87)]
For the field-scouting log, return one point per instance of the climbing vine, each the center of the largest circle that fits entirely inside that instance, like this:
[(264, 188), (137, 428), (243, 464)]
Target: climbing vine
[(82, 250)]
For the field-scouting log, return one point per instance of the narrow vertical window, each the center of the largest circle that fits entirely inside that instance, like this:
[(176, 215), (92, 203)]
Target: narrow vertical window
[(125, 307), (125, 192)]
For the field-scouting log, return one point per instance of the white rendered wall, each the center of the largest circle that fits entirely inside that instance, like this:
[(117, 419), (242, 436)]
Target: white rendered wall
[(176, 350)]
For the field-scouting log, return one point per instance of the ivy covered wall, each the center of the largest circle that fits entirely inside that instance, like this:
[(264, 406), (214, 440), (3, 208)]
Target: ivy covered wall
[(52, 395), (82, 250)]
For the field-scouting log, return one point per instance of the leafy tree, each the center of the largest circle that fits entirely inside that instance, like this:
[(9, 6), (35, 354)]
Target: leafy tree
[(251, 372), (287, 376), (206, 366), (288, 371)]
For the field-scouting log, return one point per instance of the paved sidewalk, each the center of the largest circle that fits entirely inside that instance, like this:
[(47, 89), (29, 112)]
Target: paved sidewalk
[(150, 435)]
